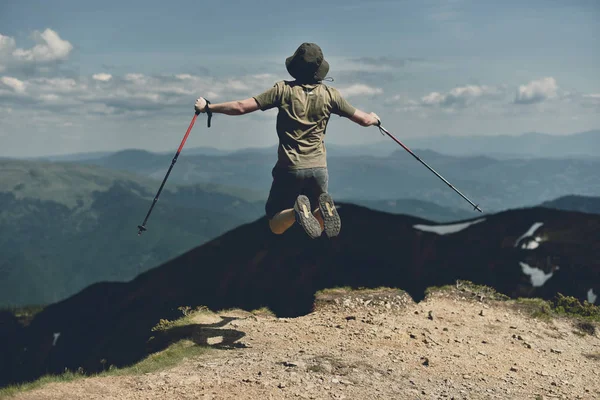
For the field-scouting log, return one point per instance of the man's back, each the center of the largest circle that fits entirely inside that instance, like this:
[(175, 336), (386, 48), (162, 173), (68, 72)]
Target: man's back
[(304, 111)]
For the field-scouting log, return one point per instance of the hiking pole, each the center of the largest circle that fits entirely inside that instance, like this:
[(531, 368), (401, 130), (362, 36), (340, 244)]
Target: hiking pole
[(383, 130), (142, 227)]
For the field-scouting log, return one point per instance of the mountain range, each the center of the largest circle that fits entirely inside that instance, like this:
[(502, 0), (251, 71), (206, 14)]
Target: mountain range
[(64, 226), (525, 145), (494, 184)]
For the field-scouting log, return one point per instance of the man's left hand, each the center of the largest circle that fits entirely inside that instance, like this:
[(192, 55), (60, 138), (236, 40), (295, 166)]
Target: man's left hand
[(200, 105)]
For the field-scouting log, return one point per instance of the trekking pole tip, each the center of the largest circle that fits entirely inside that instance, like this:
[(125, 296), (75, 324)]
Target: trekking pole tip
[(477, 208), (141, 229)]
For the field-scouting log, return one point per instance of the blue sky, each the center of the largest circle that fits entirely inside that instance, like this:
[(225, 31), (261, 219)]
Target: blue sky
[(91, 76)]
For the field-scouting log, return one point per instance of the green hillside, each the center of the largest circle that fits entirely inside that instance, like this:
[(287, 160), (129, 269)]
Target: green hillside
[(65, 226)]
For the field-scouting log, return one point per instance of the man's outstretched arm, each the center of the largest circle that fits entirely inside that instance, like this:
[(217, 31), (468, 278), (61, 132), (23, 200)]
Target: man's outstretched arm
[(364, 119), (239, 107)]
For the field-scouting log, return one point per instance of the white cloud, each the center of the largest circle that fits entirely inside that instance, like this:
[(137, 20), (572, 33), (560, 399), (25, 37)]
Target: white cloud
[(536, 91), (50, 47), (13, 83), (102, 77), (49, 97), (359, 90), (7, 45), (236, 85), (137, 78), (61, 85), (459, 96)]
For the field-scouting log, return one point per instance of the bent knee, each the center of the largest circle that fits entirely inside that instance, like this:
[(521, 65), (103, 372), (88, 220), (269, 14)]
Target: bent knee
[(275, 229)]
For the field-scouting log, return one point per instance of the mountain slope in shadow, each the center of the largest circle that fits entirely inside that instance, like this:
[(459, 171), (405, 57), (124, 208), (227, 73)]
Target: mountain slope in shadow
[(528, 252)]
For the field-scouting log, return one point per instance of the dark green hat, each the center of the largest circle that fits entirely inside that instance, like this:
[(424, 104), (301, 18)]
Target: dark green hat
[(307, 64)]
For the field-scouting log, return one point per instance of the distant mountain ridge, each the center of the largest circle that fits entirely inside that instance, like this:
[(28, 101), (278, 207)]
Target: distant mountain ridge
[(531, 144), (586, 204), (494, 184)]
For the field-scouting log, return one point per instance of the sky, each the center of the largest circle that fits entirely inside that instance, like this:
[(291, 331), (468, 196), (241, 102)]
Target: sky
[(102, 76)]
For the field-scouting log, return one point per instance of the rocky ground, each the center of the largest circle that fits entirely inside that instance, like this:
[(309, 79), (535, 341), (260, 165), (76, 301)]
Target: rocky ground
[(371, 345)]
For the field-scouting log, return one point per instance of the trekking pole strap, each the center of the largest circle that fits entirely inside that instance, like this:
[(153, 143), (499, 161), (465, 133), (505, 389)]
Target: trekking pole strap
[(208, 113)]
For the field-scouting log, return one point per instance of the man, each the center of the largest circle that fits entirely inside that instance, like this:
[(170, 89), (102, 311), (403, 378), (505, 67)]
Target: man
[(300, 176)]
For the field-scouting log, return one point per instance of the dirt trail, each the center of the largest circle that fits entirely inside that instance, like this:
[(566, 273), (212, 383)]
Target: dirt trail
[(378, 345)]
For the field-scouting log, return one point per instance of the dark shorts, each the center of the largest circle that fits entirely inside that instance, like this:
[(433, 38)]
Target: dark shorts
[(288, 184)]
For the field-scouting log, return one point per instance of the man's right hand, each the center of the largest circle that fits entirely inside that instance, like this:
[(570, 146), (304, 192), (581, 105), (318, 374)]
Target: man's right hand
[(377, 120)]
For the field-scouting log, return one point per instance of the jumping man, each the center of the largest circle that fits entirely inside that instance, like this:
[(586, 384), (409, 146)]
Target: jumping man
[(300, 176)]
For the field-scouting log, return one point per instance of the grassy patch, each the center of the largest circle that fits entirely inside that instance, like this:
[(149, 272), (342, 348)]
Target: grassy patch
[(161, 360), (24, 314), (568, 305), (340, 290), (586, 313), (158, 361), (537, 308), (470, 290), (13, 390), (264, 312), (334, 291), (188, 314), (154, 362)]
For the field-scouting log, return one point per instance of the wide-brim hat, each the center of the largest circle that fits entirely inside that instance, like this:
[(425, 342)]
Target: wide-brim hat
[(307, 64)]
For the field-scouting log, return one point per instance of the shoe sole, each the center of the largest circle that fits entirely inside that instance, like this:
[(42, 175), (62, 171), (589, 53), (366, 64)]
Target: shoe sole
[(331, 218), (305, 217)]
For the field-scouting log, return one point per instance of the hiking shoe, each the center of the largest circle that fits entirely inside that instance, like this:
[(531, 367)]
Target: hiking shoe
[(305, 217), (331, 218)]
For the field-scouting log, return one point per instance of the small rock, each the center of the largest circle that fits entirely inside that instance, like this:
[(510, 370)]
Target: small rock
[(481, 313), (350, 318), (430, 315), (557, 351), (466, 376), (281, 385), (513, 369), (335, 380), (412, 336), (445, 329), (425, 361), (513, 327)]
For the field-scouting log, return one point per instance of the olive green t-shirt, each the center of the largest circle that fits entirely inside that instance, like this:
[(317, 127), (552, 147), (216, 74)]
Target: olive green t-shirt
[(304, 111)]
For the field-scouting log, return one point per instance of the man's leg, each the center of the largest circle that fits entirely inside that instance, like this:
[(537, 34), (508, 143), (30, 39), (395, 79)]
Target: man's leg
[(282, 221), (319, 184), (284, 190)]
